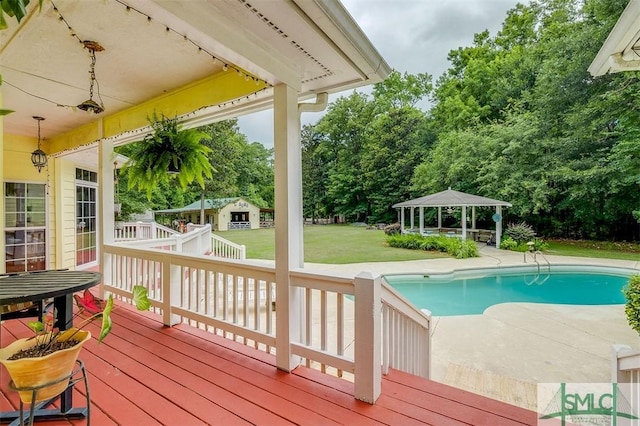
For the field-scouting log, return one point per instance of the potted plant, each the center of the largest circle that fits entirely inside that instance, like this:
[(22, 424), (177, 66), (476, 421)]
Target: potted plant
[(166, 152), (50, 355)]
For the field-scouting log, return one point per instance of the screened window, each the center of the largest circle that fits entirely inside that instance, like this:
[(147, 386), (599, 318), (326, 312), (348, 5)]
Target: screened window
[(25, 226)]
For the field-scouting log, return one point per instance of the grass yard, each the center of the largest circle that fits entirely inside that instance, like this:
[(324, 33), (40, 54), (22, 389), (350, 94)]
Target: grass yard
[(337, 244), (598, 249)]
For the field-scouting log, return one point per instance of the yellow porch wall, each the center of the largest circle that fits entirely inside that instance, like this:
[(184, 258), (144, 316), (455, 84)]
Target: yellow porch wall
[(2, 244), (17, 167), (214, 90)]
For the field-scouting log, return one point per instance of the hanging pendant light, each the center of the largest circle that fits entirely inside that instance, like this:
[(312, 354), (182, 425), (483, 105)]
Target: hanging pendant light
[(39, 157), (90, 105)]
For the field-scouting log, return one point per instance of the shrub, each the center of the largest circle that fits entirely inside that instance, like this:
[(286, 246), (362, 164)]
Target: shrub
[(453, 246), (521, 232), (508, 243), (392, 229), (632, 308)]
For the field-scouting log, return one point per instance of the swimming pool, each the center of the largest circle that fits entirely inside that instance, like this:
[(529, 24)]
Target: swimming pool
[(471, 292)]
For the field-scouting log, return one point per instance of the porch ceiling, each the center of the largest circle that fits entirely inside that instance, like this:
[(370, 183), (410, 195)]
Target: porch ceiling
[(153, 47)]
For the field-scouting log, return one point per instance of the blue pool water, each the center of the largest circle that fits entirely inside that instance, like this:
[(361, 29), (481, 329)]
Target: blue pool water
[(451, 295)]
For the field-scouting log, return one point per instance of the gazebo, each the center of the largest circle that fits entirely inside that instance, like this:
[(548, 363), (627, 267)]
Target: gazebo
[(450, 199)]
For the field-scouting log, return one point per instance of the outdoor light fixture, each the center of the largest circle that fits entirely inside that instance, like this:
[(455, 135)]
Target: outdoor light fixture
[(38, 157), (90, 105)]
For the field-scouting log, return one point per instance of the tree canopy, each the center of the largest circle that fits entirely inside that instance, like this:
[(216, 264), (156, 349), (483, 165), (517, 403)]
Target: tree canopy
[(515, 117)]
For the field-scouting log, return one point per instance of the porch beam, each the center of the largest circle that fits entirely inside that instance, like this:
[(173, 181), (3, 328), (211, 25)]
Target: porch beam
[(288, 221), (210, 91)]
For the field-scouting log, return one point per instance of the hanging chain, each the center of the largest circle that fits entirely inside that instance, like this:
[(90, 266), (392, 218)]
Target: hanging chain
[(92, 72), (39, 120)]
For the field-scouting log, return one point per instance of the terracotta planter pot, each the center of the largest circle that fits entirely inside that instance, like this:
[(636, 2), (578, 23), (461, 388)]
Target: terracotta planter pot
[(32, 372)]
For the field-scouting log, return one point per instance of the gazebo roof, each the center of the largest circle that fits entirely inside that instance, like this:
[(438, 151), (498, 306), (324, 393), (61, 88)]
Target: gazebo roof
[(451, 198)]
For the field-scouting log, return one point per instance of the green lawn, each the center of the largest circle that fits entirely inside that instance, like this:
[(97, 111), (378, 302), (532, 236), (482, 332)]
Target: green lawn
[(340, 244), (598, 249), (335, 244)]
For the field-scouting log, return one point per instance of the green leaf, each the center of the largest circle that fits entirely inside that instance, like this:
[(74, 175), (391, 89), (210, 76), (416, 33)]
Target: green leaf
[(140, 298), (36, 326), (106, 319), (5, 112)]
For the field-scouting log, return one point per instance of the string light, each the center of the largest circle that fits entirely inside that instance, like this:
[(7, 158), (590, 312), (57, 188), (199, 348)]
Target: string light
[(168, 29)]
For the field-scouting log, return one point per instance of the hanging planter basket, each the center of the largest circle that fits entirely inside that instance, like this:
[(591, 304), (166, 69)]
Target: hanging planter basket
[(169, 152), (38, 371)]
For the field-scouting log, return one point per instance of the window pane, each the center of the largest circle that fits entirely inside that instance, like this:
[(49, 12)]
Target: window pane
[(25, 206), (35, 190)]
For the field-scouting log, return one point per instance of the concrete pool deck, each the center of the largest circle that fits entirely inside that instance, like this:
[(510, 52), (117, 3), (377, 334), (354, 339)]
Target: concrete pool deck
[(511, 347)]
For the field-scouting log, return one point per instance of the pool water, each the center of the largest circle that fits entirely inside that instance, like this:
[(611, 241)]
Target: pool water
[(467, 296)]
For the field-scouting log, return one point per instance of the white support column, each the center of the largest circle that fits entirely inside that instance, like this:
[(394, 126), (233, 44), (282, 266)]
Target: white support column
[(412, 217), (288, 221), (106, 214), (439, 218), (402, 220), (421, 220), (473, 217), (368, 352), (463, 219)]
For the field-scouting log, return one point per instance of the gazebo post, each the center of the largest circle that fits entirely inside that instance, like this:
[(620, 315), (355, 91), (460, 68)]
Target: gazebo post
[(421, 220), (412, 216), (498, 226), (439, 218), (463, 219), (473, 217), (402, 220)]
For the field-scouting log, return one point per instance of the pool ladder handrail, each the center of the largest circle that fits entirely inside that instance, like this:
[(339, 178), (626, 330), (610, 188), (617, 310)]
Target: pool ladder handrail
[(535, 259)]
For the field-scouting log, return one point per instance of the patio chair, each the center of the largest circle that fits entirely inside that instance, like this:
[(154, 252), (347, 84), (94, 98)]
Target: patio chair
[(21, 310)]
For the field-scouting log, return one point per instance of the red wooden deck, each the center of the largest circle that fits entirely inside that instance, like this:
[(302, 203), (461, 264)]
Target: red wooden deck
[(148, 374)]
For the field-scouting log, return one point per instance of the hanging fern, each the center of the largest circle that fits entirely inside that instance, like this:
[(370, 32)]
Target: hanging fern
[(167, 148)]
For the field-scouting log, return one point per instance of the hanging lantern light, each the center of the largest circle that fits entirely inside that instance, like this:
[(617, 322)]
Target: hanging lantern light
[(90, 105), (38, 157)]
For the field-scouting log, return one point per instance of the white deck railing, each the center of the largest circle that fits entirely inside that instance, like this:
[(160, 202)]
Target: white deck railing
[(221, 247), (625, 366), (154, 235), (357, 325), (406, 334), (134, 231)]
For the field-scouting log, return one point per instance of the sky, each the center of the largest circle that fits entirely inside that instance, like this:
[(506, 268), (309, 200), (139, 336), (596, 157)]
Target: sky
[(413, 36)]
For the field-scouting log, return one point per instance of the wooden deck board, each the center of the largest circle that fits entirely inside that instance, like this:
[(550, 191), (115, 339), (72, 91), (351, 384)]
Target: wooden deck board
[(145, 374)]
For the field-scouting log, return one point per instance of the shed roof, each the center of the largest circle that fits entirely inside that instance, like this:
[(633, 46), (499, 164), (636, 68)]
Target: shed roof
[(209, 204), (450, 198)]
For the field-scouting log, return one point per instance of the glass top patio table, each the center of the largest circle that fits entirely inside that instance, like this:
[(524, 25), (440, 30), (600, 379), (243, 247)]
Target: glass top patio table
[(40, 285), (37, 286)]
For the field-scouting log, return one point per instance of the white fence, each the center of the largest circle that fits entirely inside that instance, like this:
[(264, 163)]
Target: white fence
[(357, 325)]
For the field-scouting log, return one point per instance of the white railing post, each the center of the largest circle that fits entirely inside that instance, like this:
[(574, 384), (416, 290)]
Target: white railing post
[(425, 367), (179, 242), (368, 369), (171, 282), (243, 252), (617, 375)]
